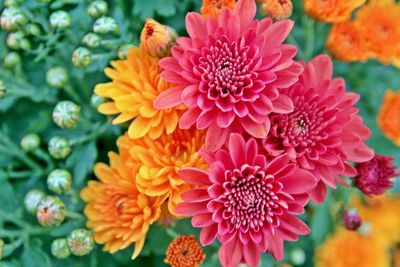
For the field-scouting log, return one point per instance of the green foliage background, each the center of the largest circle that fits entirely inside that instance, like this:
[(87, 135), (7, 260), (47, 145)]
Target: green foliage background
[(30, 101)]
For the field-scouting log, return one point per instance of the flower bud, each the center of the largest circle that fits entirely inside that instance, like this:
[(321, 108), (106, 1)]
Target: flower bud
[(59, 181), (80, 242), (33, 29), (82, 57), (51, 211), (96, 100), (97, 9), (92, 40), (1, 248), (157, 39), (57, 77), (12, 59), (105, 25), (59, 248), (32, 200), (59, 147), (60, 20), (2, 89), (13, 40), (66, 114), (297, 256), (351, 220), (123, 51), (13, 18), (30, 142), (277, 9)]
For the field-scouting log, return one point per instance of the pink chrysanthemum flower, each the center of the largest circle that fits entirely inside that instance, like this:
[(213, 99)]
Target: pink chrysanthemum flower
[(324, 131), (249, 205), (375, 176), (229, 73)]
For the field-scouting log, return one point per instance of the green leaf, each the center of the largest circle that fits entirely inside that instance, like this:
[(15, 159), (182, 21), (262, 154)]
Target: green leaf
[(8, 201), (321, 222), (82, 160), (147, 9), (34, 256)]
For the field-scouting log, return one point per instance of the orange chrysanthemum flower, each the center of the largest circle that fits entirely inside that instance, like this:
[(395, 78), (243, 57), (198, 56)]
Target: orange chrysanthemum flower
[(160, 160), (332, 11), (184, 251), (212, 8), (379, 24), (136, 83), (277, 9), (116, 211), (346, 42), (388, 117)]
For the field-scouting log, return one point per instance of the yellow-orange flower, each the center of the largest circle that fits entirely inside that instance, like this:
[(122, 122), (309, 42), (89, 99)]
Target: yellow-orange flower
[(388, 117), (332, 11), (136, 83), (160, 160), (346, 42), (348, 248), (212, 8), (379, 25), (277, 9), (157, 39), (184, 251), (116, 211)]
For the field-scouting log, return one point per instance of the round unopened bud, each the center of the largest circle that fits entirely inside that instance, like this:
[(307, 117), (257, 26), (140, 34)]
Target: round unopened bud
[(33, 29), (80, 242), (57, 77), (59, 248), (12, 59), (66, 114), (3, 90), (13, 40), (51, 211), (96, 101), (105, 25), (60, 20), (8, 3), (97, 9), (123, 51), (82, 57), (351, 220), (32, 200), (297, 256), (59, 181), (92, 40), (13, 18), (1, 248), (59, 147), (30, 142)]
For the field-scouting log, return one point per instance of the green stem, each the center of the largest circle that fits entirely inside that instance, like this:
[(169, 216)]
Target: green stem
[(75, 216), (97, 131), (310, 38), (20, 174)]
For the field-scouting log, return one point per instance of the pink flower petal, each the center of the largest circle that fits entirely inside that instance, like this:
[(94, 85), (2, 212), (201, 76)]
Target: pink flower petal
[(194, 176), (251, 255), (196, 25), (246, 10), (230, 253), (300, 182), (283, 105), (169, 98), (208, 234), (189, 118), (254, 129), (237, 149)]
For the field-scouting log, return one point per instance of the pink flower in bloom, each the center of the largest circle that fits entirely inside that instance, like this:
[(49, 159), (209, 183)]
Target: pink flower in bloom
[(374, 177), (324, 131), (229, 73), (249, 205)]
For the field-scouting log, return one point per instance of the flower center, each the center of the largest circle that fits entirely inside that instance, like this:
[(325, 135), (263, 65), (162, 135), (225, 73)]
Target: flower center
[(252, 198)]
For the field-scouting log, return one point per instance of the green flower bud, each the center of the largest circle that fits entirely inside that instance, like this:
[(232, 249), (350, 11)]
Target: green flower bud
[(59, 181), (8, 3), (97, 9), (2, 89), (105, 25), (96, 100), (92, 40), (80, 242), (13, 18), (1, 248), (32, 200), (33, 29), (12, 59), (14, 40), (51, 211), (66, 114), (57, 77), (30, 142), (82, 57), (297, 256), (59, 147), (59, 248), (123, 51), (60, 20)]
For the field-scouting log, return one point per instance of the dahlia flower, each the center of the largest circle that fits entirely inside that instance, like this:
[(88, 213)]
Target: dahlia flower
[(332, 11), (213, 8), (324, 132), (159, 161), (375, 176), (388, 114), (229, 73), (116, 211), (136, 84), (249, 205), (184, 251)]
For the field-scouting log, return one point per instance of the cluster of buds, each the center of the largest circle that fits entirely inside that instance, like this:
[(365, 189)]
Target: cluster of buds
[(60, 20), (17, 40), (59, 181), (66, 114), (59, 147), (57, 77), (157, 39), (13, 18), (2, 89), (80, 242), (32, 200), (30, 142), (51, 211)]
